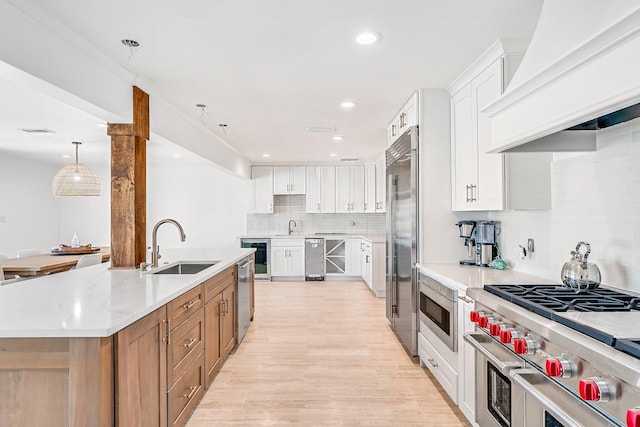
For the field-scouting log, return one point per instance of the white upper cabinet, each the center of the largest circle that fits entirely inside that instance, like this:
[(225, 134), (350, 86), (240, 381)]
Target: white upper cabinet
[(262, 185), (321, 189), (289, 180), (482, 181), (381, 184), (407, 117), (370, 188), (350, 189)]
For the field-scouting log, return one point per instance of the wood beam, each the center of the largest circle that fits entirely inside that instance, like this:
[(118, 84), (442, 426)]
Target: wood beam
[(129, 185)]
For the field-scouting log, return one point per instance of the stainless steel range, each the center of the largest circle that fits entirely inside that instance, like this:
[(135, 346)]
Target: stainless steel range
[(558, 357)]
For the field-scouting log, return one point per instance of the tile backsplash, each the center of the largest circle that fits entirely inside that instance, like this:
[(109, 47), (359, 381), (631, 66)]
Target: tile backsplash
[(596, 199), (293, 207)]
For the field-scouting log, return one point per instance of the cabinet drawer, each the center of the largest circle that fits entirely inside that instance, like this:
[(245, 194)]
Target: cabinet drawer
[(444, 373), (186, 342), (186, 393), (217, 283), (184, 306)]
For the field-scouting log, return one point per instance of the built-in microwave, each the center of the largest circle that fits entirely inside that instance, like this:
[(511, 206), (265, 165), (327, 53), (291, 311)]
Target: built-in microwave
[(438, 310)]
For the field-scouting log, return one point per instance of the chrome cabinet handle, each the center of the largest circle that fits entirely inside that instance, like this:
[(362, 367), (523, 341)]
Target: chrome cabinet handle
[(466, 299), (467, 193), (432, 363), (393, 130), (473, 193), (193, 390)]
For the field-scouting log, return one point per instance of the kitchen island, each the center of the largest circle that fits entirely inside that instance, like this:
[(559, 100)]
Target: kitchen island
[(100, 347)]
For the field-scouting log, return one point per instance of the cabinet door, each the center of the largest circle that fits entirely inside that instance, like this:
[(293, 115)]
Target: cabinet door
[(228, 330), (353, 257), (297, 180), (262, 184), (409, 113), (212, 327), (343, 189), (328, 189), (466, 360), (281, 180), (314, 189), (296, 261), (141, 372), (487, 87), (279, 261), (381, 185), (370, 188), (463, 150), (357, 182)]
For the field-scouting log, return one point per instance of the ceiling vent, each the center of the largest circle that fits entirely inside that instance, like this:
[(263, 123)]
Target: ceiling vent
[(34, 130), (319, 128), (349, 159)]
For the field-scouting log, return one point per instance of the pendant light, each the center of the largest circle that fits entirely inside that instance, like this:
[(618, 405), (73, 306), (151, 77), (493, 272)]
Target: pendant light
[(75, 180)]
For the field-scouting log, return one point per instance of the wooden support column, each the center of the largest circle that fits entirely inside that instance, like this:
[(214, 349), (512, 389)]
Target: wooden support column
[(129, 185)]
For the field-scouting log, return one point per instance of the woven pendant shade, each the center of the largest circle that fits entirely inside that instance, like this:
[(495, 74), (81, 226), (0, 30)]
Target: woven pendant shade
[(75, 180)]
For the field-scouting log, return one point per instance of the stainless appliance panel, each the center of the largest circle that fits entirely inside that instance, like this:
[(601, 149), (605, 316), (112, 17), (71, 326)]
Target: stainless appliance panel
[(243, 300), (439, 310), (402, 232), (314, 263), (262, 256)]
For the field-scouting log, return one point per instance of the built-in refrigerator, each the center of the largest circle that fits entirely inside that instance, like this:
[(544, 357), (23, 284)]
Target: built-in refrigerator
[(402, 236)]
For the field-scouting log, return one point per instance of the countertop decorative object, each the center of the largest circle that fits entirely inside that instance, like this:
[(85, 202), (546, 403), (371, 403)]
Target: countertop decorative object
[(97, 301)]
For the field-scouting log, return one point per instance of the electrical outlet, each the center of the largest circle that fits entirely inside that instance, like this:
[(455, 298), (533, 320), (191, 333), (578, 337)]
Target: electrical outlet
[(530, 245)]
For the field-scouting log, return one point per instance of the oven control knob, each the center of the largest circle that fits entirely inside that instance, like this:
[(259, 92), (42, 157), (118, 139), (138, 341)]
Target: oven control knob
[(484, 320), (525, 345), (474, 316), (508, 334), (596, 389), (496, 328), (559, 367), (633, 417)]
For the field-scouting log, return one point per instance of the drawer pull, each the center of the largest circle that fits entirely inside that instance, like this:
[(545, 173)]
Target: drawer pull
[(194, 389), (191, 342), (432, 363), (222, 312), (189, 305)]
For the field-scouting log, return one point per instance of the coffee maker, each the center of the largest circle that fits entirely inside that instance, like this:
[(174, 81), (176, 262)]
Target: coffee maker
[(486, 246), (467, 232)]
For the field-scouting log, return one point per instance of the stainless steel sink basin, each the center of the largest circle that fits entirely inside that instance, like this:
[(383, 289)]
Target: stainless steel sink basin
[(185, 267)]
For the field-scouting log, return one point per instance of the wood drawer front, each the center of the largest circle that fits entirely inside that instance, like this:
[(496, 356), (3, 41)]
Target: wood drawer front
[(217, 283), (186, 393), (184, 306), (186, 342)]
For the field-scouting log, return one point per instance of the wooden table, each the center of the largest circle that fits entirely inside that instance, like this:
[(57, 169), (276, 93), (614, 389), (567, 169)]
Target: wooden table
[(38, 265)]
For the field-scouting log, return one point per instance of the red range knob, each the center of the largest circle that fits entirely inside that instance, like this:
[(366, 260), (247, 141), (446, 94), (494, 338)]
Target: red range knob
[(520, 346), (554, 368), (633, 417), (505, 336), (483, 321), (495, 328), (474, 316), (589, 390)]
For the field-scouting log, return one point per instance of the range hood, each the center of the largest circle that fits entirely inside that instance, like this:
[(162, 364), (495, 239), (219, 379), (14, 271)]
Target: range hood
[(581, 72)]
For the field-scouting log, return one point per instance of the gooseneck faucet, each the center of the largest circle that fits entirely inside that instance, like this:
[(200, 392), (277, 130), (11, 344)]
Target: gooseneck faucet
[(155, 252), (291, 227)]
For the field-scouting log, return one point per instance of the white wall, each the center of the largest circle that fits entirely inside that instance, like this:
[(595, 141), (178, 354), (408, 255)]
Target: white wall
[(28, 211), (595, 198)]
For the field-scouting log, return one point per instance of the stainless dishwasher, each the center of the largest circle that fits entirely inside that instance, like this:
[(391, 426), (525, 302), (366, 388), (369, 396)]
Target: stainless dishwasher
[(314, 259), (244, 298)]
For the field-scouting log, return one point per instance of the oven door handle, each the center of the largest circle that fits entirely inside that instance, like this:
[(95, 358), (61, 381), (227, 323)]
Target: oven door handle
[(546, 402), (503, 366)]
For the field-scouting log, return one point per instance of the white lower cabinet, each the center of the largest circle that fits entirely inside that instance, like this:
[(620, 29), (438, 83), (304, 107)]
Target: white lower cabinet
[(437, 364), (366, 258), (466, 360), (287, 258)]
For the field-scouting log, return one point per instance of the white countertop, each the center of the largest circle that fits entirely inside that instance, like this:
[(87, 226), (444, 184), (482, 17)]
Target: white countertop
[(467, 276), (373, 238), (98, 302)]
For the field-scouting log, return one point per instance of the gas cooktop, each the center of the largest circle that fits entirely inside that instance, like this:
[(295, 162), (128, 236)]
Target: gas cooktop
[(561, 304)]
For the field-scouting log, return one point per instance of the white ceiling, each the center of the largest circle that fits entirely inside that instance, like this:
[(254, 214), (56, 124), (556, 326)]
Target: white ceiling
[(269, 68)]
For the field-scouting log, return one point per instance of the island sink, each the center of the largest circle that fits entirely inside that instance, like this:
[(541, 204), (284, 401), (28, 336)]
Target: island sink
[(185, 267)]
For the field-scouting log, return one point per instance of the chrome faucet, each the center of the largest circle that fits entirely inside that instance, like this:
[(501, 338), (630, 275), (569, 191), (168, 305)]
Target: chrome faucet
[(155, 252), (290, 227)]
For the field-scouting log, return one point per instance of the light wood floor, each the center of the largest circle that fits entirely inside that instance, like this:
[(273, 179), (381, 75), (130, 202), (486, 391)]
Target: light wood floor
[(322, 354)]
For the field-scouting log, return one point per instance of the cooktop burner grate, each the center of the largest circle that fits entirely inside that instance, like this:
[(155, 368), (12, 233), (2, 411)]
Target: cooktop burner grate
[(546, 300)]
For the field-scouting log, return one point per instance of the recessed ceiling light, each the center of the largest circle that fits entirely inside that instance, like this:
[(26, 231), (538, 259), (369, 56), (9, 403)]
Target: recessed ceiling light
[(42, 131), (265, 155), (347, 104), (367, 37), (130, 43), (333, 155), (338, 138)]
